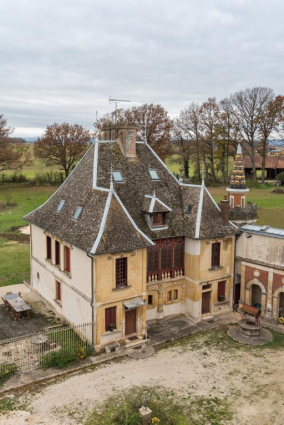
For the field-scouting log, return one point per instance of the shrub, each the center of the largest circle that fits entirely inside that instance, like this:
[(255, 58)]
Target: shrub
[(280, 178), (6, 371)]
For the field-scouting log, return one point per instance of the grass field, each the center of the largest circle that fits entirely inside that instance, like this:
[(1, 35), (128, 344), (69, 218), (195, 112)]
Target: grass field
[(270, 205), (14, 247)]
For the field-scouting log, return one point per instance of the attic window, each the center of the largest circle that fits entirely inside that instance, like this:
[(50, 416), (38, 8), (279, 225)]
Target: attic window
[(61, 204), (188, 209), (154, 175), (117, 177), (77, 213)]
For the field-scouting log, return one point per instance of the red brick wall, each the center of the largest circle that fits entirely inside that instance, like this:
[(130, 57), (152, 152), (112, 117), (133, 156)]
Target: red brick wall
[(263, 277), (277, 281)]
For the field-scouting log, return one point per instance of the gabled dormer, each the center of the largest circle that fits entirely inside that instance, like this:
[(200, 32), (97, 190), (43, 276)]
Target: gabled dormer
[(156, 212)]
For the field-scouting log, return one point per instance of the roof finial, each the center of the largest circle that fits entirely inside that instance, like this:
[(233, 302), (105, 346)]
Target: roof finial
[(111, 178), (202, 177), (239, 149)]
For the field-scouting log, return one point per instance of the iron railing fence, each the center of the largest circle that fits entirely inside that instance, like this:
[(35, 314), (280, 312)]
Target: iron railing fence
[(55, 345)]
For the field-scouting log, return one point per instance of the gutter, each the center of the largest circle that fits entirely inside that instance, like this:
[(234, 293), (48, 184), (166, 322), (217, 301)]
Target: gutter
[(92, 294)]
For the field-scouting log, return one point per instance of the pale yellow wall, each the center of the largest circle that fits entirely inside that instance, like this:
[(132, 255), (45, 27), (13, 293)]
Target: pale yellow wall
[(198, 271), (107, 295)]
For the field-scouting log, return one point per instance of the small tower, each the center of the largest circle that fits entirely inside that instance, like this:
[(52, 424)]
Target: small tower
[(240, 212)]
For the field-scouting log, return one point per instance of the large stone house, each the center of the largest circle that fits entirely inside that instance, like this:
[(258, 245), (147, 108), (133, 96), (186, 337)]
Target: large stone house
[(123, 243)]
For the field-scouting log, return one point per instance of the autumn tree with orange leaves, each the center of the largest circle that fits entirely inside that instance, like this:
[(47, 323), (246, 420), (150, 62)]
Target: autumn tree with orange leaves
[(62, 145)]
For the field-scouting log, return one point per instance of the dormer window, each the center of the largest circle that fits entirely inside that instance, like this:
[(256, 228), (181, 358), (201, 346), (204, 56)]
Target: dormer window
[(154, 175), (188, 209), (158, 219), (61, 204), (77, 213), (117, 177)]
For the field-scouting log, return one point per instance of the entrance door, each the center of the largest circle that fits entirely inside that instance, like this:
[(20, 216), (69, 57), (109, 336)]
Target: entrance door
[(130, 322), (256, 294), (237, 293), (206, 302)]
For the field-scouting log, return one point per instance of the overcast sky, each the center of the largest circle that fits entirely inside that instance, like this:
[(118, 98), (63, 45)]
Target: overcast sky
[(61, 60)]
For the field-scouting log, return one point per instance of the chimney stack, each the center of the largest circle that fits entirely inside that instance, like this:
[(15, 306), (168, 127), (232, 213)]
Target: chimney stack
[(225, 210)]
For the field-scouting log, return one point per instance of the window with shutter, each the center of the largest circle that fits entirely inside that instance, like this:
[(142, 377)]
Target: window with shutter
[(215, 259), (57, 290), (121, 272), (57, 253), (67, 259), (48, 248), (110, 318)]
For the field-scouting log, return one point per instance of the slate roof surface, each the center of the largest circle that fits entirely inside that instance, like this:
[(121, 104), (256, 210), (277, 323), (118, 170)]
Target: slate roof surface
[(119, 227)]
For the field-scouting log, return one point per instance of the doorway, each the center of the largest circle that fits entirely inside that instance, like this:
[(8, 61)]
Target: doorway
[(130, 322), (281, 305), (256, 294), (206, 302)]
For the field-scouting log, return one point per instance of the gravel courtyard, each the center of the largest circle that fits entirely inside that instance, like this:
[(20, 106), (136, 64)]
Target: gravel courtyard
[(250, 379)]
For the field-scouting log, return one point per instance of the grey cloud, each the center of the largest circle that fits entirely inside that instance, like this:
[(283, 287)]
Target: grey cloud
[(60, 61)]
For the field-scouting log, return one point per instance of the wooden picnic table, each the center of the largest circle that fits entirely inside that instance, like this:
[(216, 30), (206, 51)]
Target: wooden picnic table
[(16, 305)]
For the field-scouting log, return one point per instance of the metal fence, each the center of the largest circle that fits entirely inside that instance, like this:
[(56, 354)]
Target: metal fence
[(55, 345)]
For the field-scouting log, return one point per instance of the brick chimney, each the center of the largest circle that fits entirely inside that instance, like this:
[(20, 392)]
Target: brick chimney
[(225, 210), (126, 138)]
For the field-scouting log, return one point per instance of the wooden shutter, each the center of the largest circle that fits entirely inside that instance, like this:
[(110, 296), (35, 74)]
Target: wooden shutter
[(48, 248), (215, 260), (67, 259), (110, 317), (58, 290), (57, 253), (221, 288)]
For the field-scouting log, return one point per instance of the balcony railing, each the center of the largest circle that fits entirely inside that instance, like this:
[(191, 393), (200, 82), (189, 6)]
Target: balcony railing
[(164, 274), (250, 211)]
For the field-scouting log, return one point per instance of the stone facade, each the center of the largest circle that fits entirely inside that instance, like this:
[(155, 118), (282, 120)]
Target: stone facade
[(260, 266)]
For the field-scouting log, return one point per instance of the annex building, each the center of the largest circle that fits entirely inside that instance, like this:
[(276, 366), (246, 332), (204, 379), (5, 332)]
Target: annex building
[(123, 243)]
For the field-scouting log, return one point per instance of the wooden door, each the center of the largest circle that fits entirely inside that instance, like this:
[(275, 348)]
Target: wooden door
[(130, 322), (237, 293), (206, 302)]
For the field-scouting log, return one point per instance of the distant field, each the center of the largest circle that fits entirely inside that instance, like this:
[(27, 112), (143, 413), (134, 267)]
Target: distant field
[(14, 247), (270, 205), (30, 172)]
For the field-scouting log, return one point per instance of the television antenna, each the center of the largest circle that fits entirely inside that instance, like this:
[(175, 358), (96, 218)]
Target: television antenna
[(116, 101)]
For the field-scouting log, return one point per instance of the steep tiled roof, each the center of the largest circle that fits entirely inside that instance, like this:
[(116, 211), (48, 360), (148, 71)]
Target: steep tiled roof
[(114, 220)]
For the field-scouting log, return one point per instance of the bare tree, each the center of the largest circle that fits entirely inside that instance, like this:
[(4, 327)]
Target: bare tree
[(249, 106), (14, 153), (269, 120), (62, 145), (209, 116), (188, 129), (226, 131), (153, 125)]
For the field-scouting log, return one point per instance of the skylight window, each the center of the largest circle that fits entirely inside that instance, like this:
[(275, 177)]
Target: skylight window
[(61, 204), (77, 213), (188, 209), (117, 177), (154, 175)]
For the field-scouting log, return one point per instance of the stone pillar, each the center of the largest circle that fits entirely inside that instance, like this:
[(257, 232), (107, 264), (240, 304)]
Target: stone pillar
[(160, 310), (268, 307), (146, 414)]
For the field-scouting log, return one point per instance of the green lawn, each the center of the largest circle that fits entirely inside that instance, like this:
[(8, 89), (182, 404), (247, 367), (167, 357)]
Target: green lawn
[(38, 166), (14, 247), (270, 205)]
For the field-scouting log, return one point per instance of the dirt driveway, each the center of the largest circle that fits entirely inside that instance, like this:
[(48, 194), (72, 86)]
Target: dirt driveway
[(250, 380)]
